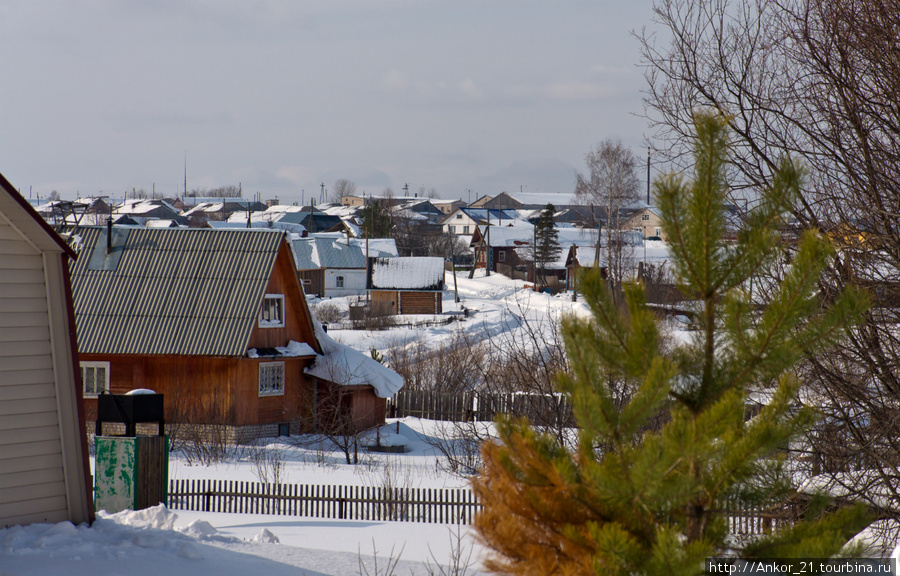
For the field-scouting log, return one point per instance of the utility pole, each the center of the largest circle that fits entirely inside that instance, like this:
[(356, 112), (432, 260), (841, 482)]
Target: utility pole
[(487, 250), (648, 175)]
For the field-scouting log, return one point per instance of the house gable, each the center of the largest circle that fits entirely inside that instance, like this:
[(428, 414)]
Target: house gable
[(44, 473)]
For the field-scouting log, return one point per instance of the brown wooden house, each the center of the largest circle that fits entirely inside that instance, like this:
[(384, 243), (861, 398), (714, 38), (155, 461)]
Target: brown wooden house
[(406, 285), (215, 320)]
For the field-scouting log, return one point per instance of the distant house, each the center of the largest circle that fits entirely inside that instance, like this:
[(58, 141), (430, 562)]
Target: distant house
[(647, 221), (142, 210), (509, 249), (330, 266), (448, 206), (463, 221), (44, 469), (502, 201), (412, 285), (219, 210), (213, 319)]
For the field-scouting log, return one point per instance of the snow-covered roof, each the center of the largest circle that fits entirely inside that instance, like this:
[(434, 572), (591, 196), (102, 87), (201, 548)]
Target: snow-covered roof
[(343, 365), (411, 273), (143, 206), (332, 252)]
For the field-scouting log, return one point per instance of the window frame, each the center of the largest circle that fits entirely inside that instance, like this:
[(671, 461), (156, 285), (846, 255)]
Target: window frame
[(84, 366), (338, 281), (269, 323), (278, 388)]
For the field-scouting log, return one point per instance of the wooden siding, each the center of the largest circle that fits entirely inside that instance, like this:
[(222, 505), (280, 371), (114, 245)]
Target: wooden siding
[(385, 301), (298, 323), (316, 279), (32, 474), (420, 302), (208, 390)]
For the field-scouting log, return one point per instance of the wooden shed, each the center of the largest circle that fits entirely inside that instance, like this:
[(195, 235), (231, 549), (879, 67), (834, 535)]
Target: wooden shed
[(44, 469)]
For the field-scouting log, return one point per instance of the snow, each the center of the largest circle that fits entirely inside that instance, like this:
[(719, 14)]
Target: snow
[(347, 366), (159, 541), (414, 272)]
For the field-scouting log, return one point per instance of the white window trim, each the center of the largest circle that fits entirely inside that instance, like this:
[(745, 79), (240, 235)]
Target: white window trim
[(278, 390), (86, 365), (339, 282), (271, 323)]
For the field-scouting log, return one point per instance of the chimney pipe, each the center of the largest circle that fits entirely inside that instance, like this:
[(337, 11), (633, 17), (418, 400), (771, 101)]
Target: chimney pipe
[(109, 235)]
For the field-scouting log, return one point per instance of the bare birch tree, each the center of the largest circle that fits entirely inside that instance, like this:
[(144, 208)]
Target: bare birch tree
[(611, 183)]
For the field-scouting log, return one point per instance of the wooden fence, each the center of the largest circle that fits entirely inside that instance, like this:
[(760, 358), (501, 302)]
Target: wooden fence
[(541, 409), (430, 505), (337, 502)]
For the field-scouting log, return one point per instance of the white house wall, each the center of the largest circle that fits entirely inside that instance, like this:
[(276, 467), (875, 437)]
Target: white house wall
[(354, 282)]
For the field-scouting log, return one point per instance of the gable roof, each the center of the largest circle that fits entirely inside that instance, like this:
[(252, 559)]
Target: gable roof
[(171, 291), (24, 218), (332, 253)]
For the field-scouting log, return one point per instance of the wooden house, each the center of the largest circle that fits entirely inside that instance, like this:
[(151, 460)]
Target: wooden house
[(44, 469), (213, 319), (410, 285)]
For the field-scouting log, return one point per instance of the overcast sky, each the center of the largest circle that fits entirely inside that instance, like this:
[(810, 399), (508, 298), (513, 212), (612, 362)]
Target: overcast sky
[(467, 97)]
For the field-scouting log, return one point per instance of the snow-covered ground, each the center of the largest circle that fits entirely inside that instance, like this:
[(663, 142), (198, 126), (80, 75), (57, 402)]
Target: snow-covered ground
[(160, 541)]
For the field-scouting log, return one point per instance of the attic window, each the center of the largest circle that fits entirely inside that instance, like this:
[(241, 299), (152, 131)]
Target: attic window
[(459, 216), (271, 315), (645, 217), (271, 378)]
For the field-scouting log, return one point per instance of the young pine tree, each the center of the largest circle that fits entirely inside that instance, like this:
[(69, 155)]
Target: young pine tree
[(638, 498), (546, 241)]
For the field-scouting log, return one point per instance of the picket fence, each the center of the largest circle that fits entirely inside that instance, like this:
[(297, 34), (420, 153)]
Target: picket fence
[(338, 502), (541, 409)]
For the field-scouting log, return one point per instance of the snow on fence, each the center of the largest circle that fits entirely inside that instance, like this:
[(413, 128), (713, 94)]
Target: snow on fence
[(430, 505), (541, 409)]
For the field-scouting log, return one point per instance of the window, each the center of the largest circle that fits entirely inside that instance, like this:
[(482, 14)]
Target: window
[(658, 232), (339, 282), (459, 216), (95, 378), (465, 229), (272, 313), (452, 229), (271, 378), (645, 217), (501, 256)]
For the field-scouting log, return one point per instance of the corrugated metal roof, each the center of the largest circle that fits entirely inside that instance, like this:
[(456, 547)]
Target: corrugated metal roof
[(331, 253), (173, 291)]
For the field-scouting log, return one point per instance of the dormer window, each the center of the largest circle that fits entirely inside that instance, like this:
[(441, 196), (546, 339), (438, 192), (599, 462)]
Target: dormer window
[(271, 315)]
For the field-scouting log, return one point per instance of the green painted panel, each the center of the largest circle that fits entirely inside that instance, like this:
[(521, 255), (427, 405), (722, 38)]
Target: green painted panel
[(115, 473)]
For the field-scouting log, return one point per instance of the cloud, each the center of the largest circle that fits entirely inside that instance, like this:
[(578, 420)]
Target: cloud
[(395, 81), (295, 174), (577, 90), (470, 89)]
